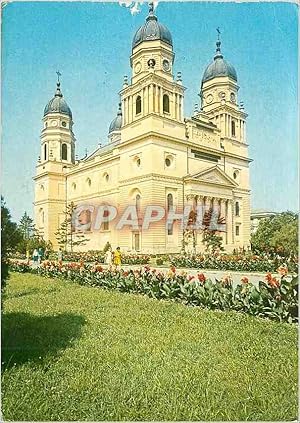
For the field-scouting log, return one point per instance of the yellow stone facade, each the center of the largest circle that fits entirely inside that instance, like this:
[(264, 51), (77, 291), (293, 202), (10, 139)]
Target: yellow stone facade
[(154, 155)]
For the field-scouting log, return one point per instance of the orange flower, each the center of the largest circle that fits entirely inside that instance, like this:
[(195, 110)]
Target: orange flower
[(226, 280), (271, 281), (282, 270), (268, 277), (245, 280)]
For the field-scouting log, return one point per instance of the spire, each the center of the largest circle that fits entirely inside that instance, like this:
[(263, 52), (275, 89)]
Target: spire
[(151, 12), (58, 92), (151, 8), (218, 44)]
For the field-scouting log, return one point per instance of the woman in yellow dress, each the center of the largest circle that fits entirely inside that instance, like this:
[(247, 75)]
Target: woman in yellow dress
[(117, 258)]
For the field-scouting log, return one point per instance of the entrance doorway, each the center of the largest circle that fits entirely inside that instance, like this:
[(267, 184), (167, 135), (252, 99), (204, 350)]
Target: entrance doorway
[(136, 241)]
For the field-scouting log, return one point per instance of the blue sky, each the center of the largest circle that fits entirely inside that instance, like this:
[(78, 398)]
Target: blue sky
[(90, 43)]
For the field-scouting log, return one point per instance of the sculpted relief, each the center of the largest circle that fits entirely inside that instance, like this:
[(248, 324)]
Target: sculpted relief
[(203, 137)]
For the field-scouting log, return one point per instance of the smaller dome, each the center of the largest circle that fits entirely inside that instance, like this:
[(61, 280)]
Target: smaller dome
[(219, 67), (58, 104), (116, 124), (152, 30)]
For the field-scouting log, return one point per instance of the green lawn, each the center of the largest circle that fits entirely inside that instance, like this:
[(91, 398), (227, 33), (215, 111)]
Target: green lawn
[(80, 353)]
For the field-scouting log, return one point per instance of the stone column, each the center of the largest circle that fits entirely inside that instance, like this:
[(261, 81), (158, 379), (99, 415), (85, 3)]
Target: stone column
[(129, 109), (229, 221), (151, 95), (161, 102), (223, 218), (156, 99), (124, 111)]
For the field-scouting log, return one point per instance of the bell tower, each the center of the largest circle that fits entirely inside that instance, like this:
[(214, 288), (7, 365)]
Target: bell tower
[(152, 89), (219, 97), (57, 156)]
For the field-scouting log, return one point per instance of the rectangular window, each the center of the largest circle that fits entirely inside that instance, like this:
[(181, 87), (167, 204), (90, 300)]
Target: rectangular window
[(237, 230), (170, 228), (106, 226), (136, 241), (206, 156)]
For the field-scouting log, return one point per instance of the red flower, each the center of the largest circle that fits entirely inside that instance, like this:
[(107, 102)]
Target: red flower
[(190, 278), (173, 268), (201, 277)]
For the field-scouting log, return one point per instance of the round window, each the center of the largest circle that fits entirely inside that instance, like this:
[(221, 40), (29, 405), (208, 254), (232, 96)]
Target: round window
[(168, 162), (64, 124)]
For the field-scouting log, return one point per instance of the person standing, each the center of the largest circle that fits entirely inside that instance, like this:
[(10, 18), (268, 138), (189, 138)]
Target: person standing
[(27, 256), (117, 258), (109, 257), (41, 254), (35, 257)]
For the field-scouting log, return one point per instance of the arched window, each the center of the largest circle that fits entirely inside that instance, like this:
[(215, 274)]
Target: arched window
[(88, 182), (64, 152), (170, 207), (106, 222), (233, 128), (42, 217), (138, 203), (45, 152), (138, 105), (166, 103), (237, 208)]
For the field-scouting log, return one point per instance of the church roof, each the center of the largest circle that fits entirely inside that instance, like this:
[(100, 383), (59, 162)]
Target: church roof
[(116, 123), (152, 30), (219, 67), (57, 104)]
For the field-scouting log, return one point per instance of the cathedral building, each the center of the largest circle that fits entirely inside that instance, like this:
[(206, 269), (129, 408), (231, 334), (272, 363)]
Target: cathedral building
[(154, 154)]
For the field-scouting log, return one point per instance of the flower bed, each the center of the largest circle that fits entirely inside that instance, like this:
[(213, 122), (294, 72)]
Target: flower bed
[(275, 298), (246, 263), (99, 257)]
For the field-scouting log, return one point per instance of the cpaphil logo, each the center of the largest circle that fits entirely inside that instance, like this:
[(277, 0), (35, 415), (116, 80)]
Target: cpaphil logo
[(87, 217)]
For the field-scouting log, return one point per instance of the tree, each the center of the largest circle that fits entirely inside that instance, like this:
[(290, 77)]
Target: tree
[(212, 241), (66, 235), (26, 226), (277, 234), (10, 237)]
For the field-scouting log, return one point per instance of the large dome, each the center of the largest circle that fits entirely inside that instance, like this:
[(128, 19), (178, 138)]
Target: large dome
[(116, 124), (219, 67), (152, 30), (57, 104)]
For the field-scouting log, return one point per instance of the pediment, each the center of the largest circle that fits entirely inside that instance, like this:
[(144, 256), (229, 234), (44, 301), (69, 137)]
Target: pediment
[(213, 175)]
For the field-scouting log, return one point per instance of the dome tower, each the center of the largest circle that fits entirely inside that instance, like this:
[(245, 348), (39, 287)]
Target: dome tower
[(57, 138), (152, 91), (218, 93), (57, 157)]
